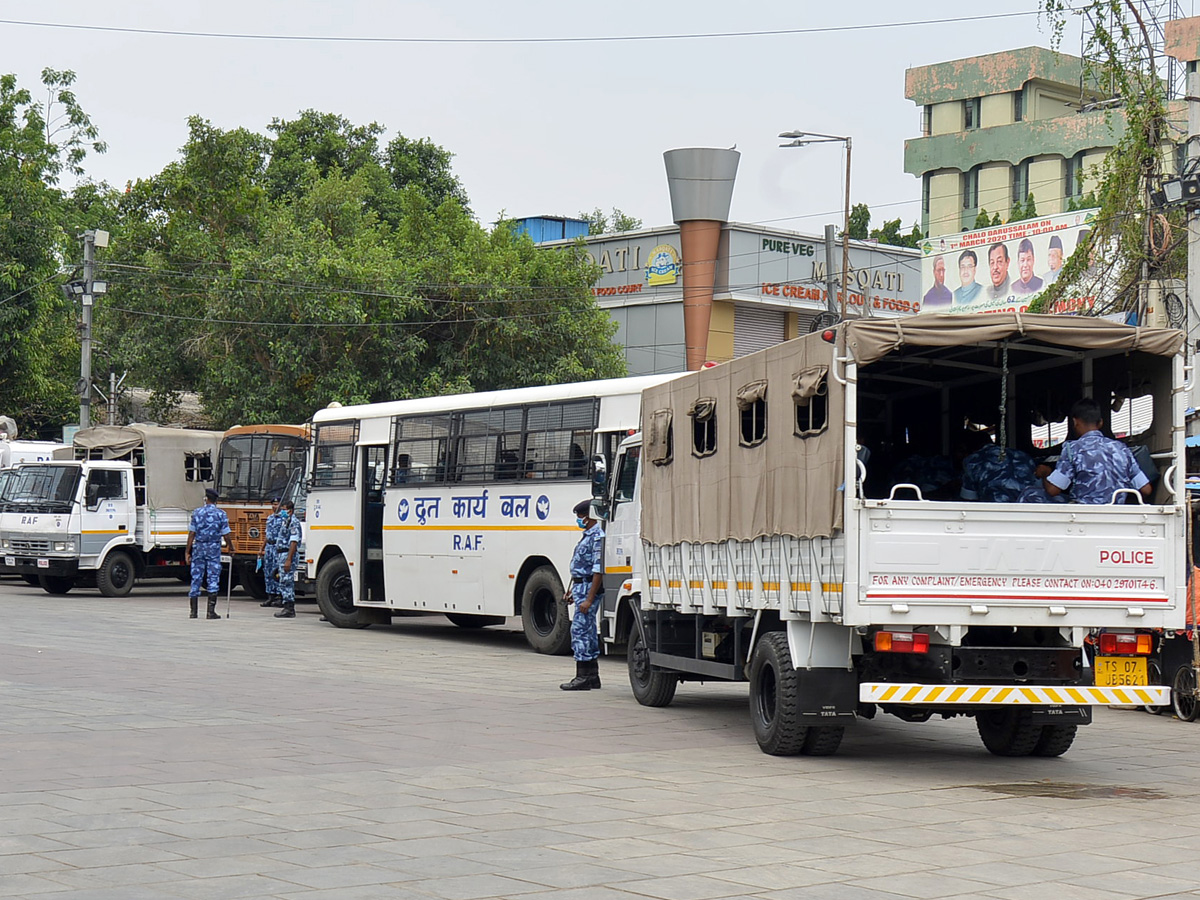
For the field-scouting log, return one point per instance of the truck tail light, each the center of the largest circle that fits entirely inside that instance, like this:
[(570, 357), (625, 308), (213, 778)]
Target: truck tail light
[(901, 642), (1124, 643)]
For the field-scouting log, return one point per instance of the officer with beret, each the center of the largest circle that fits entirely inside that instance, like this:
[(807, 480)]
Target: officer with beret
[(587, 592), (207, 531)]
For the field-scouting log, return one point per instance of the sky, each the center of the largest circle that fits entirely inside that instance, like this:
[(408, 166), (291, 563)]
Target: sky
[(535, 128)]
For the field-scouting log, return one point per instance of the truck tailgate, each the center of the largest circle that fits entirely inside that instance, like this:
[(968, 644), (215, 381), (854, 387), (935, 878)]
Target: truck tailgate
[(958, 563)]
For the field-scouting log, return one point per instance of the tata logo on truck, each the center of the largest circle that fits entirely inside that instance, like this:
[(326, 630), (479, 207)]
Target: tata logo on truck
[(1127, 557)]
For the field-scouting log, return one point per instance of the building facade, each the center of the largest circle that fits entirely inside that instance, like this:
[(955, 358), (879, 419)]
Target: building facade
[(999, 128), (768, 286)]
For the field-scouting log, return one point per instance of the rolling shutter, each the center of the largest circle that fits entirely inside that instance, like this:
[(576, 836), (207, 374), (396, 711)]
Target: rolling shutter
[(756, 328)]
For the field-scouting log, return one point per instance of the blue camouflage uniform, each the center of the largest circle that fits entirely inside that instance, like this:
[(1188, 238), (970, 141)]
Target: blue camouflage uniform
[(209, 524), (989, 478), (586, 561), (289, 531), (271, 554), (1094, 466)]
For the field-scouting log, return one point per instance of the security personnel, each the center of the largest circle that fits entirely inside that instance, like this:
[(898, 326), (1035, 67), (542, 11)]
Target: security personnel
[(289, 534), (207, 531), (270, 555), (587, 592), (1093, 466)]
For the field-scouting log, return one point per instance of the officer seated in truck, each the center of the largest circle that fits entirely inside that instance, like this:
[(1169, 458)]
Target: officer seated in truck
[(1092, 467)]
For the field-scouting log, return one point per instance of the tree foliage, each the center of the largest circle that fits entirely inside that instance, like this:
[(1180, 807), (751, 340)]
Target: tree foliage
[(889, 233), (600, 222), (39, 139), (1120, 62), (277, 273)]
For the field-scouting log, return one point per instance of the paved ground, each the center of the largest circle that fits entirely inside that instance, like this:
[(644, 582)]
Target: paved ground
[(144, 755)]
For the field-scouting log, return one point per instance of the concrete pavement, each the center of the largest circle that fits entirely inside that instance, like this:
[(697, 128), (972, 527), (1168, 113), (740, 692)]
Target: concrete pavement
[(146, 755)]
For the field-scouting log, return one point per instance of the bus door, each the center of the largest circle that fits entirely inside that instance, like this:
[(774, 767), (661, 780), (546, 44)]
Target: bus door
[(373, 475)]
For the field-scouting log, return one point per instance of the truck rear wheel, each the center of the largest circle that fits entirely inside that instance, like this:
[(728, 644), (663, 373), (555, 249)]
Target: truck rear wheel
[(651, 687), (470, 620), (1008, 732), (56, 584), (116, 574), (1183, 694), (335, 596), (823, 740), (774, 697), (544, 614), (1055, 740), (252, 581)]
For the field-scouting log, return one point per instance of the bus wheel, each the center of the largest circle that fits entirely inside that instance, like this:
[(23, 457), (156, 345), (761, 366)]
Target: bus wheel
[(544, 614), (651, 687), (470, 620), (335, 596), (116, 575), (774, 697), (56, 584)]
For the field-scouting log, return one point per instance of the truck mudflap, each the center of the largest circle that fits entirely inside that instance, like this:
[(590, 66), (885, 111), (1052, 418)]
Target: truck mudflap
[(1012, 695)]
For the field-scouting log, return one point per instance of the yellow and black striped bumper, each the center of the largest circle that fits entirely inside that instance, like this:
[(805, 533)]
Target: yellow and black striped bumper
[(1011, 695)]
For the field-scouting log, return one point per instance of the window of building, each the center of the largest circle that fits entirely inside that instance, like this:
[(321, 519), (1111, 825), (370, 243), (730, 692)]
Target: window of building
[(333, 455), (704, 426), (810, 393), (752, 404), (1020, 182), (927, 120), (1073, 176), (197, 467), (925, 179), (970, 189), (971, 110), (1019, 106)]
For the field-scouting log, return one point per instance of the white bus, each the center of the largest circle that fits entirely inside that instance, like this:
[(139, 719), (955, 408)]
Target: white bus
[(461, 504)]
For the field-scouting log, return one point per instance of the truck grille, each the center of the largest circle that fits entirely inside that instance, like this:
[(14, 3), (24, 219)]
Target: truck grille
[(25, 546)]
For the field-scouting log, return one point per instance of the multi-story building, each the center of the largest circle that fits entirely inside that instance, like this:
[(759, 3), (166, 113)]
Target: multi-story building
[(996, 129)]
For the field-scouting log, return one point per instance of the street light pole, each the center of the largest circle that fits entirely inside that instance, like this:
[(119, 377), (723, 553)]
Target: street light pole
[(803, 139)]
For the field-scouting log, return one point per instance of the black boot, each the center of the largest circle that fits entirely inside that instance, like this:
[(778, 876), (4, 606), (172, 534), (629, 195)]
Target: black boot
[(212, 607), (272, 600), (288, 612), (593, 674), (581, 681), (194, 602)]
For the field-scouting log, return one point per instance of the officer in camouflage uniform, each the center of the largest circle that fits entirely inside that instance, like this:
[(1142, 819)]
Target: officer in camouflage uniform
[(289, 535), (1093, 466), (270, 556), (207, 531), (587, 592)]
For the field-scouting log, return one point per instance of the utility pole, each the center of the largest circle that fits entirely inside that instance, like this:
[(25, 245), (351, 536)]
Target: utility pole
[(830, 277), (92, 238)]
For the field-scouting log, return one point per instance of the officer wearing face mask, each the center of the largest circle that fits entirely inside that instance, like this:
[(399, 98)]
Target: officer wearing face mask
[(586, 592), (289, 537)]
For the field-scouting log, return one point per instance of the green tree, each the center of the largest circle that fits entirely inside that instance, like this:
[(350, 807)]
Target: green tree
[(276, 279), (601, 223), (39, 139), (891, 235), (860, 222)]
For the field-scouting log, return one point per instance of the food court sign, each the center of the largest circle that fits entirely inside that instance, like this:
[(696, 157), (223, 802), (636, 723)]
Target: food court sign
[(1002, 268)]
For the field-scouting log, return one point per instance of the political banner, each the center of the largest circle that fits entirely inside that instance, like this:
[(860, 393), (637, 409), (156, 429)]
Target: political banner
[(1005, 267)]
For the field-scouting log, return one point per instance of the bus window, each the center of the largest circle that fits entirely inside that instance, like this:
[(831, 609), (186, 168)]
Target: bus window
[(333, 455)]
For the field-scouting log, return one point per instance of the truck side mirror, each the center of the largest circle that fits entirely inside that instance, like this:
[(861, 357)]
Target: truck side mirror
[(599, 478)]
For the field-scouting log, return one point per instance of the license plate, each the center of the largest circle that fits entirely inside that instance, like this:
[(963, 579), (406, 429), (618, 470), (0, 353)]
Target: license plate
[(10, 560), (43, 563), (1121, 671)]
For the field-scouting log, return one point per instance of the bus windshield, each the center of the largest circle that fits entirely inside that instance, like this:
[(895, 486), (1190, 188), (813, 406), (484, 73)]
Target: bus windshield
[(40, 488), (257, 467)]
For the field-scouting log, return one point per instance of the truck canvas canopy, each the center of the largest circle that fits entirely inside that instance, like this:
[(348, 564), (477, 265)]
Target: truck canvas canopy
[(178, 462), (771, 456)]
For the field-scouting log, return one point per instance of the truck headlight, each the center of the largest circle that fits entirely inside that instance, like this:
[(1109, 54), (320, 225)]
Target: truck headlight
[(60, 546), (4, 543)]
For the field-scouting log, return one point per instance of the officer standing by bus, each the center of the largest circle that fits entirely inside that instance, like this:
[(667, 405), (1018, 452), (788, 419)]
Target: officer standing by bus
[(270, 555), (587, 592), (207, 531), (289, 536)]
